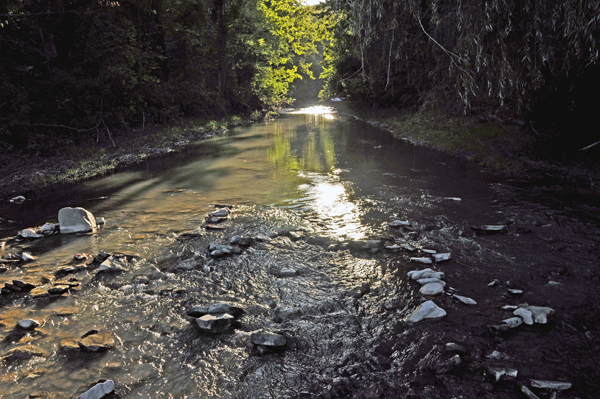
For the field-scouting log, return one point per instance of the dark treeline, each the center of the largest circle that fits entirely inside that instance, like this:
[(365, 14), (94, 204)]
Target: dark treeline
[(497, 57), (83, 67)]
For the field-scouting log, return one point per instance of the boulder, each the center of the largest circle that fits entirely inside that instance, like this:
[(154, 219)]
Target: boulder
[(76, 220), (427, 310), (99, 390)]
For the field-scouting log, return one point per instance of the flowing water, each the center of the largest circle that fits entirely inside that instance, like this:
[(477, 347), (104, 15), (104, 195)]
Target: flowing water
[(312, 182)]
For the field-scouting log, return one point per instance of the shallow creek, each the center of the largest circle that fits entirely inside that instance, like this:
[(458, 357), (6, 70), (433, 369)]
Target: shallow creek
[(312, 181)]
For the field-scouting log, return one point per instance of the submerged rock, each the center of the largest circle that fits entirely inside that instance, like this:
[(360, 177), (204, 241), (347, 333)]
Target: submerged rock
[(99, 390), (399, 223), (428, 280), (427, 310), (76, 220), (24, 352)]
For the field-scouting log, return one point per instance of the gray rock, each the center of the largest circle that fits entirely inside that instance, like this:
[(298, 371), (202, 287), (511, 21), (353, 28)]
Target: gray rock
[(425, 273), (441, 257), (498, 372), (465, 300), (428, 280), (551, 385), (421, 260), (454, 347), (100, 221), (525, 314), (30, 233), (427, 310), (25, 257), (223, 212), (429, 251), (76, 220), (432, 289), (513, 322), (408, 247), (215, 323), (197, 311), (99, 390), (243, 242), (540, 313), (226, 308), (113, 264), (268, 339), (19, 199), (528, 392), (399, 223), (48, 228), (28, 324), (515, 292), (287, 273)]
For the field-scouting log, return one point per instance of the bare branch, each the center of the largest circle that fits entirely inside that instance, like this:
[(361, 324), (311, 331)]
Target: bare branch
[(590, 146)]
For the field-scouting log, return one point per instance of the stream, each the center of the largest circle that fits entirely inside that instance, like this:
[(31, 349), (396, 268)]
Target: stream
[(307, 188)]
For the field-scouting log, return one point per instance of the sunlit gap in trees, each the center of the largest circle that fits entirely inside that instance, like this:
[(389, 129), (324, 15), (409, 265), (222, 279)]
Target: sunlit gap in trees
[(312, 2), (322, 110)]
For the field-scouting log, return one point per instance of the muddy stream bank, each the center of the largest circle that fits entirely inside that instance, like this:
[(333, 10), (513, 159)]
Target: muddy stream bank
[(314, 194)]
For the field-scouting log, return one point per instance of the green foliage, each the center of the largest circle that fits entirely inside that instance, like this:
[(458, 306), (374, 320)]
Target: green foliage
[(475, 56), (74, 68)]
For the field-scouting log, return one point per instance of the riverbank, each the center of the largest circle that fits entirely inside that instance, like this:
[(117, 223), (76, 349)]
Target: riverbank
[(508, 146), (27, 174)]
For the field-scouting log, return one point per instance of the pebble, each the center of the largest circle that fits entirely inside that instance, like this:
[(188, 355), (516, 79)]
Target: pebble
[(432, 289), (515, 292), (399, 223), (427, 310), (28, 324), (99, 390)]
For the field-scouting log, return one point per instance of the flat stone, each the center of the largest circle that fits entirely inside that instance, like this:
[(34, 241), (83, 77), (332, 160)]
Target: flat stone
[(408, 247), (268, 339), (432, 289), (540, 313), (421, 260), (515, 292), (527, 392), (97, 342), (99, 390), (197, 311), (215, 323), (114, 265), (399, 223), (465, 300), (223, 212), (441, 257), (28, 324), (226, 308), (429, 251), (25, 286), (524, 314), (59, 289), (551, 385), (428, 280), (30, 233), (76, 220), (427, 310), (214, 227), (26, 257), (39, 292), (425, 273)]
